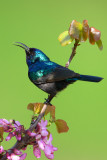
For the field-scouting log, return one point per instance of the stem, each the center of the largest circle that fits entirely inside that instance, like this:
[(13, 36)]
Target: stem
[(73, 53)]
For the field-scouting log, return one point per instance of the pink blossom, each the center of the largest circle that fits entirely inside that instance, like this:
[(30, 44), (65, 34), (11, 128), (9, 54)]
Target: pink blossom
[(43, 142), (18, 130), (18, 136), (23, 156), (17, 152), (7, 126), (10, 135), (49, 149), (32, 134), (36, 152), (13, 157), (38, 138), (1, 149), (43, 129)]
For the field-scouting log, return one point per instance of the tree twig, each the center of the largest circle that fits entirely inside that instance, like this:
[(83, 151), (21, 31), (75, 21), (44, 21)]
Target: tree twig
[(73, 53)]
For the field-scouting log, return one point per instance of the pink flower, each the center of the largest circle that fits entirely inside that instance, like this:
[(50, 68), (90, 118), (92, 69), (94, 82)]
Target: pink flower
[(32, 134), (23, 156), (43, 129), (17, 152), (10, 135), (14, 156), (43, 143), (36, 152), (1, 149), (7, 126), (18, 130), (38, 138), (49, 149)]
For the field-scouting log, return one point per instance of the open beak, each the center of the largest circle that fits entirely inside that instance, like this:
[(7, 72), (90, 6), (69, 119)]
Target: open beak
[(22, 46)]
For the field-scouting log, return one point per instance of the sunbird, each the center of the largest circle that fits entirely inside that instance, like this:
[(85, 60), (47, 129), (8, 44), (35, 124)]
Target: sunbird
[(50, 76)]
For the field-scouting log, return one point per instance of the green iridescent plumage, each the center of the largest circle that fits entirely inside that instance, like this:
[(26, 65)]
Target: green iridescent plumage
[(49, 76)]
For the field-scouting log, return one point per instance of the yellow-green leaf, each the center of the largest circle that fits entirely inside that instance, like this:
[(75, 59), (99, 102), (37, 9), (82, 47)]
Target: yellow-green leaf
[(64, 38), (94, 36), (79, 31), (75, 29), (99, 44), (61, 126), (37, 107), (91, 37), (85, 30)]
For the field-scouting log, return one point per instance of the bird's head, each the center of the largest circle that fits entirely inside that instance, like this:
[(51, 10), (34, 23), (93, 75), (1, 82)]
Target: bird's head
[(33, 55)]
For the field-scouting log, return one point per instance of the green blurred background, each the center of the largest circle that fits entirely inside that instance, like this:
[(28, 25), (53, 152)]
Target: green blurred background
[(38, 23)]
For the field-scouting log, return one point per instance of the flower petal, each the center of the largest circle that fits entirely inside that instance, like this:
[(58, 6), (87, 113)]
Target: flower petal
[(50, 156), (23, 156), (43, 124), (1, 149), (36, 152), (50, 139), (13, 157), (32, 134), (17, 152), (44, 132), (17, 123), (55, 149), (48, 149), (10, 135), (38, 136), (41, 144), (64, 38), (18, 137)]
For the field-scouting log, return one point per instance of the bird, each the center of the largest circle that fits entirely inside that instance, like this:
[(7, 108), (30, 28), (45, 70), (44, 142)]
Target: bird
[(48, 75)]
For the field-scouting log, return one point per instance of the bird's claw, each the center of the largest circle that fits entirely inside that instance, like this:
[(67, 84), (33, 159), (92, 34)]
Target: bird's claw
[(47, 102)]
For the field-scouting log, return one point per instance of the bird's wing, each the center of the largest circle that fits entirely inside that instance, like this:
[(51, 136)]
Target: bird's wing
[(55, 73)]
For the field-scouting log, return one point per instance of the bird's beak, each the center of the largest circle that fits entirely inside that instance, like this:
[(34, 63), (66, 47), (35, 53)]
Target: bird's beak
[(22, 46)]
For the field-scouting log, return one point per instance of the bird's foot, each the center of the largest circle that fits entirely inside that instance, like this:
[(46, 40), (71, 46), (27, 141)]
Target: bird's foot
[(47, 101)]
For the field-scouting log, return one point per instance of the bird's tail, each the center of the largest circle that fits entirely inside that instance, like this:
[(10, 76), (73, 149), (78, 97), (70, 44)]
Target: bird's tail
[(90, 78)]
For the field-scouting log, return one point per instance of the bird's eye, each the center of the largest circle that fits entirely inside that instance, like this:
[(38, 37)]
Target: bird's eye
[(32, 53)]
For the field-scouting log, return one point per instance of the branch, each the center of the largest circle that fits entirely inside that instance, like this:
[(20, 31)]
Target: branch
[(73, 53), (26, 139)]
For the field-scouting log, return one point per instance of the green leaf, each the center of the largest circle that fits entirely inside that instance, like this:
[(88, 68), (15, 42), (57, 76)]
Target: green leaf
[(64, 38)]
